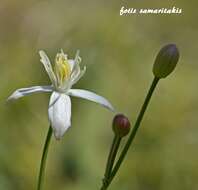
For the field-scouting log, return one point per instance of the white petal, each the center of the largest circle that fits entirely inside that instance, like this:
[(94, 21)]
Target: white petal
[(26, 91), (71, 63), (76, 62), (91, 96), (75, 78), (59, 113), (48, 67), (77, 58)]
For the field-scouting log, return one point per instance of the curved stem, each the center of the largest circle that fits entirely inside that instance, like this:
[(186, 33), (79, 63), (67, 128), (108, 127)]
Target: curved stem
[(111, 158), (43, 159), (135, 129)]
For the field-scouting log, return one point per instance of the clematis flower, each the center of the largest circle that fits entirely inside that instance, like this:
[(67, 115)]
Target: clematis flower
[(63, 76)]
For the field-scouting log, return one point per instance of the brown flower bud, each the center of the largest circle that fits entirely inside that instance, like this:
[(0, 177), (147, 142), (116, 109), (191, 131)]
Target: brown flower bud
[(121, 125)]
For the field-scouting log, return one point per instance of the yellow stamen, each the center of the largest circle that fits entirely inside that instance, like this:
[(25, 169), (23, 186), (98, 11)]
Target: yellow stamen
[(62, 68)]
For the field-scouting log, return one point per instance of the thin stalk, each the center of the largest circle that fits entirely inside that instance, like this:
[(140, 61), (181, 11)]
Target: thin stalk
[(43, 159), (134, 131), (111, 158)]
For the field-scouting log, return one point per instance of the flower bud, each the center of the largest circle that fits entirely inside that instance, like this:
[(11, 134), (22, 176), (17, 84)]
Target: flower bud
[(121, 125), (166, 61)]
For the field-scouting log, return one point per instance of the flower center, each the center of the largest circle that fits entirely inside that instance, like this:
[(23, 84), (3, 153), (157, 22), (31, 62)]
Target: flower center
[(62, 68)]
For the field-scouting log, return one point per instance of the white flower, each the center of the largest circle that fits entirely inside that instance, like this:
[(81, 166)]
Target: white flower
[(65, 74)]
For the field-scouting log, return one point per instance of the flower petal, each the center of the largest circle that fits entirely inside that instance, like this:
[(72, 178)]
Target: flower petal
[(75, 78), (48, 67), (91, 96), (76, 62), (71, 63), (59, 113), (26, 91)]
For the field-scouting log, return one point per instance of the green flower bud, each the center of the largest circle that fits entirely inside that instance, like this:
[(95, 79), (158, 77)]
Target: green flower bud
[(166, 61), (121, 125)]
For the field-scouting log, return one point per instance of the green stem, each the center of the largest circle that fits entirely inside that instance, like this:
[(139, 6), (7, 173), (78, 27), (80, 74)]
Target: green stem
[(134, 131), (111, 158), (43, 159)]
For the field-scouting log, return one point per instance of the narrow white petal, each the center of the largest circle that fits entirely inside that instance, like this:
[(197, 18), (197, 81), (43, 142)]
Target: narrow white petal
[(59, 113), (48, 67), (77, 77), (76, 62), (77, 58), (91, 96), (71, 63), (26, 91)]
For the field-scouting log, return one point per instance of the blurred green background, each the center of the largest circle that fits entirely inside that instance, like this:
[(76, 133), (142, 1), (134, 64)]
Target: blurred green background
[(119, 52)]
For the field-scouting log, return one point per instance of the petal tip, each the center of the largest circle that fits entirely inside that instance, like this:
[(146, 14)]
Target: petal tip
[(58, 134), (112, 108), (9, 99), (15, 95), (41, 52), (43, 55)]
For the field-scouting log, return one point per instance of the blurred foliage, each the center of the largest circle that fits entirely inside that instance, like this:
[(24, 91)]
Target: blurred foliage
[(119, 53)]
